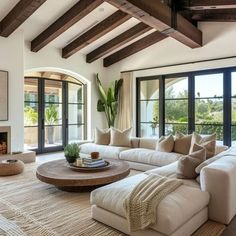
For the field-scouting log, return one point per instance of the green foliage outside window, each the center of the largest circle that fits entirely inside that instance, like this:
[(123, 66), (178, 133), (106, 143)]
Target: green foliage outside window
[(208, 114)]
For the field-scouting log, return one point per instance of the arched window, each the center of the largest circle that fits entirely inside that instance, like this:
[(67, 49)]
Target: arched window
[(54, 111)]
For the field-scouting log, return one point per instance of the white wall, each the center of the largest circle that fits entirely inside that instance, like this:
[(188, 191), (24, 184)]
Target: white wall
[(49, 58), (16, 57), (11, 60), (218, 39)]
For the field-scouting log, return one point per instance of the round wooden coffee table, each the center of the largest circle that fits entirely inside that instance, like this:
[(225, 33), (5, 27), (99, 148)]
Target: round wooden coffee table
[(59, 174)]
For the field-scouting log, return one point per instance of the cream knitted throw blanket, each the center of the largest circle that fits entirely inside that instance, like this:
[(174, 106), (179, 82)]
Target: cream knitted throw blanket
[(141, 204)]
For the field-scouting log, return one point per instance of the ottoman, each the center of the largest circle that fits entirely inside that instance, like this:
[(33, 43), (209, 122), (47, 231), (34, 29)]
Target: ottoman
[(11, 167)]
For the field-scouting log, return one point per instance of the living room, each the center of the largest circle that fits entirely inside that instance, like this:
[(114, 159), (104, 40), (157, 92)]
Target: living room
[(177, 64)]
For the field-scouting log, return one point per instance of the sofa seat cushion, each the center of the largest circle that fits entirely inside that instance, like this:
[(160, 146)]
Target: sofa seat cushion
[(151, 157), (104, 150), (173, 211)]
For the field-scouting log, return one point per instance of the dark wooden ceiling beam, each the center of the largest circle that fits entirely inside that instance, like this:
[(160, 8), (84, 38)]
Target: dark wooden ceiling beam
[(211, 4), (21, 11), (134, 48), (72, 16), (95, 33), (118, 41), (218, 15), (158, 15)]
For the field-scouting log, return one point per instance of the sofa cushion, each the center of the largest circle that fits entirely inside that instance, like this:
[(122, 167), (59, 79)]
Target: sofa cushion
[(148, 143), (173, 211), (166, 144), (120, 138), (182, 143), (102, 136), (187, 164), (206, 141), (151, 157), (104, 150)]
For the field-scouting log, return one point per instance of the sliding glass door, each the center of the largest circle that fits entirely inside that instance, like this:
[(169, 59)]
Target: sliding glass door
[(31, 112), (176, 105), (201, 101), (209, 110), (54, 114)]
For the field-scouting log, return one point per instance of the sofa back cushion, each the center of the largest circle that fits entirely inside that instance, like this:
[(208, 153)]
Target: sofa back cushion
[(120, 138), (148, 143), (102, 136), (166, 144), (182, 143), (207, 141)]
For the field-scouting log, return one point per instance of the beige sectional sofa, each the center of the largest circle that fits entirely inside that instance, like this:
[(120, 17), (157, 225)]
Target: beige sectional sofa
[(183, 211), (141, 155)]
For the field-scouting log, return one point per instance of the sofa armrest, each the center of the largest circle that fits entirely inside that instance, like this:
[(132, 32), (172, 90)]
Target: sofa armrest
[(219, 180), (84, 141)]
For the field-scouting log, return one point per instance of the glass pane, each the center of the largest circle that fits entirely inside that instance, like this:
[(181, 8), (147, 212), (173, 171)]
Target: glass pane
[(30, 137), (53, 114), (149, 111), (75, 93), (176, 111), (149, 89), (234, 84), (53, 91), (31, 114), (234, 111), (233, 130), (204, 82), (53, 136), (209, 111), (172, 128), (210, 129), (31, 90), (149, 130), (176, 87), (76, 114), (76, 133)]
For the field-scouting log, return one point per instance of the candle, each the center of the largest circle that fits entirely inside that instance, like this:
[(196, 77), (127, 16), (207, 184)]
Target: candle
[(78, 162)]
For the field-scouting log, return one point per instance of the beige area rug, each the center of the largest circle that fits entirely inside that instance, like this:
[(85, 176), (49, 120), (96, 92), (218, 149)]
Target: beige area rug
[(42, 210)]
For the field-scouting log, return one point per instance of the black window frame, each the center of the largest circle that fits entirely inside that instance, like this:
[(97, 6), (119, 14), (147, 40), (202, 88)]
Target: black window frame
[(65, 113), (227, 97)]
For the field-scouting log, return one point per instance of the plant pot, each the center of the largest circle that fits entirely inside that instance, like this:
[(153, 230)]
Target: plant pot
[(70, 159), (50, 135)]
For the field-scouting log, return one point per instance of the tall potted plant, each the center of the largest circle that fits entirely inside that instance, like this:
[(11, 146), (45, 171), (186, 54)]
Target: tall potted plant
[(109, 100)]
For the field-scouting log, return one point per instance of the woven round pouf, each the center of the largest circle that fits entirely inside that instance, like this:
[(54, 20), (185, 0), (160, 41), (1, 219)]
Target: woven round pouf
[(11, 167)]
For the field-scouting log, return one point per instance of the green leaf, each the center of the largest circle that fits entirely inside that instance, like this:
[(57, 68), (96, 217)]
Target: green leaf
[(101, 90), (100, 106), (118, 85)]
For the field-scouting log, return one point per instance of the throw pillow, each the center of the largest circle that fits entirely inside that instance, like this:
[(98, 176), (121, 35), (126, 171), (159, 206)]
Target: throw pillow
[(207, 141), (182, 143), (166, 144), (120, 138), (102, 136), (187, 164)]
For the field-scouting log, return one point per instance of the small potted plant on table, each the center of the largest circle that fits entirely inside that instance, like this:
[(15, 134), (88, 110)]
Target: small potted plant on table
[(71, 152)]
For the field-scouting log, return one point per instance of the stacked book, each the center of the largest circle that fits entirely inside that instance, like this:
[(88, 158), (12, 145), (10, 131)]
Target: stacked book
[(89, 162)]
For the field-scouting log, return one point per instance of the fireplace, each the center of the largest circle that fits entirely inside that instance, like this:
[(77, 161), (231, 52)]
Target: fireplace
[(5, 140)]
